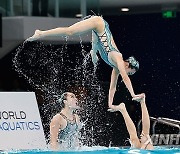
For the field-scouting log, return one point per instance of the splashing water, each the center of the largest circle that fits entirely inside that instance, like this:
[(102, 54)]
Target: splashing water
[(52, 70)]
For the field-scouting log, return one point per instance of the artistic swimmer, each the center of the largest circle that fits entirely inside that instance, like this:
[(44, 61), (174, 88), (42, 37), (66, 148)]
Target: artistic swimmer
[(102, 42), (144, 142), (65, 125)]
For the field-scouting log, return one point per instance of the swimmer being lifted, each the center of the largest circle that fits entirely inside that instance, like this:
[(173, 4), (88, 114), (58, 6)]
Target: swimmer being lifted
[(102, 42)]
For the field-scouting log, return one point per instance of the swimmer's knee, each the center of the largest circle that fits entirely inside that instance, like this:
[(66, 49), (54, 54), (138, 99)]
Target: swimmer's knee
[(98, 20), (99, 23)]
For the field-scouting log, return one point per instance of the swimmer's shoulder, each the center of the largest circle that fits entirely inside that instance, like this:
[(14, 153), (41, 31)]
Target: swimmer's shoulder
[(57, 118), (58, 121)]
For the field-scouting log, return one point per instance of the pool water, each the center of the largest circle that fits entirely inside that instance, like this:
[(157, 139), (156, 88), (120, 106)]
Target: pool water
[(102, 150)]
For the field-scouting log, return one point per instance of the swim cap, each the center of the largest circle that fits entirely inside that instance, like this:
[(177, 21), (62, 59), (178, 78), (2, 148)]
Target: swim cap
[(133, 63)]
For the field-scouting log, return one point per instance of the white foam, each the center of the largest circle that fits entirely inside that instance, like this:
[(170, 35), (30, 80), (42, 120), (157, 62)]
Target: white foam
[(95, 148)]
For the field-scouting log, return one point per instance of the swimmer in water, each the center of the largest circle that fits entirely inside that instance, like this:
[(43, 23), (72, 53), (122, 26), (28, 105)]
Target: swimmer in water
[(65, 125), (144, 142), (102, 42)]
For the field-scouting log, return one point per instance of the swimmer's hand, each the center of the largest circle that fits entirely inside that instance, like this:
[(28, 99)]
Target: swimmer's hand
[(138, 97), (37, 35), (94, 58)]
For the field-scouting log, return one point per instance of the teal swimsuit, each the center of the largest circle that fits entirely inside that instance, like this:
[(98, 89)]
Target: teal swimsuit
[(67, 137), (103, 43)]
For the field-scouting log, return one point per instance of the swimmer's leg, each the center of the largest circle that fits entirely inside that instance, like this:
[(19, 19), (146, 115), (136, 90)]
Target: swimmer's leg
[(94, 23), (147, 143), (145, 117), (129, 125)]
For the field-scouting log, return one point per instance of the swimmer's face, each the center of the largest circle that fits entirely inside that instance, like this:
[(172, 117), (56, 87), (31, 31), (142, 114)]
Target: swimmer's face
[(72, 101), (130, 71)]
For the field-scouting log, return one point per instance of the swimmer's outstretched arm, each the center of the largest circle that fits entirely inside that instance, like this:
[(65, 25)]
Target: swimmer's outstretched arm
[(118, 60), (112, 88), (94, 23), (125, 79)]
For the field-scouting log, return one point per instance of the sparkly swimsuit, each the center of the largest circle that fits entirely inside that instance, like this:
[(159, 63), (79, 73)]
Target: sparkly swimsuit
[(67, 137), (103, 43)]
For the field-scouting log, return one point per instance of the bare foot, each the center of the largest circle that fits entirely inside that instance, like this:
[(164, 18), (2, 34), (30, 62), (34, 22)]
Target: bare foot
[(119, 107), (37, 35), (112, 108)]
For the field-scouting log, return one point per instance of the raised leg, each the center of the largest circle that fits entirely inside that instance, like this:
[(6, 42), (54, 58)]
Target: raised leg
[(129, 125), (94, 23), (145, 117)]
